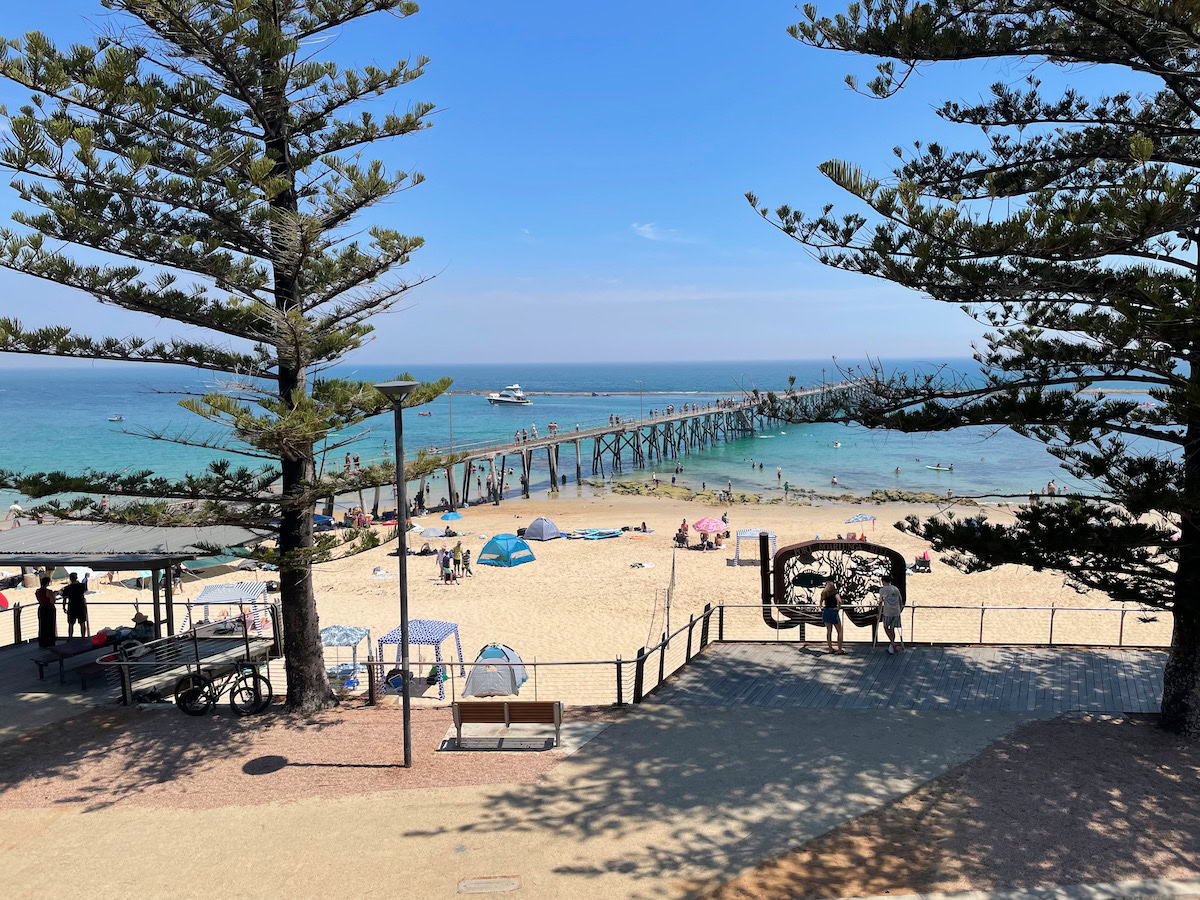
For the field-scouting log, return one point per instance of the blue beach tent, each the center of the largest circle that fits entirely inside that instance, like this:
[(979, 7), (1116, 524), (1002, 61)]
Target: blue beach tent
[(505, 550), (542, 529)]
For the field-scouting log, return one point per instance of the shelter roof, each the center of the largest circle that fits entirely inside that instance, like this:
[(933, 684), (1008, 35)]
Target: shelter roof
[(115, 547), (231, 593)]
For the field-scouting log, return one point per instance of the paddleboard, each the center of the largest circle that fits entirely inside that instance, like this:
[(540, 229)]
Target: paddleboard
[(940, 468)]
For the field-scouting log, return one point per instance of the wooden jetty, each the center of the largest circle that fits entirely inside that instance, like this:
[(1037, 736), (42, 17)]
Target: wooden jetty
[(634, 444)]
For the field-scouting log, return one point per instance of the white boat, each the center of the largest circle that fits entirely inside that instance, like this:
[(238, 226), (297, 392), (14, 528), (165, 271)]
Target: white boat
[(116, 418), (510, 396)]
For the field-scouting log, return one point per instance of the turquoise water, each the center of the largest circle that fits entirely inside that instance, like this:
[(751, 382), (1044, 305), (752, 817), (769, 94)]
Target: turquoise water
[(57, 418)]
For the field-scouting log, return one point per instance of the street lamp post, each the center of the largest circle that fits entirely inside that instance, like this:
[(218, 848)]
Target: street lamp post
[(396, 391)]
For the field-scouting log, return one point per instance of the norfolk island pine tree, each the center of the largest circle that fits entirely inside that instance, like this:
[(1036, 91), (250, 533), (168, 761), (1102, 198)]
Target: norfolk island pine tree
[(215, 162), (1072, 232)]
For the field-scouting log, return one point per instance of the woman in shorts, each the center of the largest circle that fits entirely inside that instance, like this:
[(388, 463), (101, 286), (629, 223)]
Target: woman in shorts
[(831, 614)]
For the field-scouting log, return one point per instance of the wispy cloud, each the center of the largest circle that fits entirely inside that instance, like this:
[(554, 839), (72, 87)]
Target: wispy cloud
[(653, 232)]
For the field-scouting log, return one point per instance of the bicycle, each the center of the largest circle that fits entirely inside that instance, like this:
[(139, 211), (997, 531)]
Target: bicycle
[(249, 691)]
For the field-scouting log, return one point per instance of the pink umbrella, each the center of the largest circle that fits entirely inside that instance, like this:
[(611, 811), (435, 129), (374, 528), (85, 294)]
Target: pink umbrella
[(3, 602), (709, 525)]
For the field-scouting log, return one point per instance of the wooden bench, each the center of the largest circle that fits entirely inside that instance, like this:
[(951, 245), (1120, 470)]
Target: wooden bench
[(508, 712)]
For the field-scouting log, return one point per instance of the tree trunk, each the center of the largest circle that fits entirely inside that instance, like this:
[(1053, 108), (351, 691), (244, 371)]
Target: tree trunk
[(1181, 677), (307, 685)]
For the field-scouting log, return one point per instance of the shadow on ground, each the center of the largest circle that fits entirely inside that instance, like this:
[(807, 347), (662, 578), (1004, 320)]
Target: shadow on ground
[(674, 793), (1064, 801)]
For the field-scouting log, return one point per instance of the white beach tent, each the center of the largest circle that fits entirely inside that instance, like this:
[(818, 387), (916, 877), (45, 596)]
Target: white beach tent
[(494, 680), (750, 536)]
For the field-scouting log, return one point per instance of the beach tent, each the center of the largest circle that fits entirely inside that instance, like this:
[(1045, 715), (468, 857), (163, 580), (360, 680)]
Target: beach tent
[(505, 550), (750, 536), (542, 529), (427, 633), (339, 637), (346, 636), (493, 680), (252, 592)]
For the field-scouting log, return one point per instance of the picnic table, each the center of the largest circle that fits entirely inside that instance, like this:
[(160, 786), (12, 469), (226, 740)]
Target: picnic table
[(60, 653)]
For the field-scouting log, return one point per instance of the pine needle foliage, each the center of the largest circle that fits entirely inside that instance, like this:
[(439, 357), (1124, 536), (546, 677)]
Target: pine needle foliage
[(201, 163), (1069, 228)]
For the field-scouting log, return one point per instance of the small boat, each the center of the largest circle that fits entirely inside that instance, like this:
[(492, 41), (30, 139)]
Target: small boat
[(941, 468), (510, 396), (424, 414), (116, 418), (836, 444)]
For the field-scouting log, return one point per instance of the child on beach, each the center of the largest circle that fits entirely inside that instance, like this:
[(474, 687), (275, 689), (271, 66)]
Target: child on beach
[(466, 563)]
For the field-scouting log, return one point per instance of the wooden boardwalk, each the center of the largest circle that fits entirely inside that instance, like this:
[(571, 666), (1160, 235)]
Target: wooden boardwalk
[(960, 678)]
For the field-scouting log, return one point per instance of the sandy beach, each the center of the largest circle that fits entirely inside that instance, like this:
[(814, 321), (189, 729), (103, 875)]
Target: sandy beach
[(582, 600)]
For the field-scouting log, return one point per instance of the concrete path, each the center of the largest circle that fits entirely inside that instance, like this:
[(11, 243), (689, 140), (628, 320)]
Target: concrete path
[(663, 798)]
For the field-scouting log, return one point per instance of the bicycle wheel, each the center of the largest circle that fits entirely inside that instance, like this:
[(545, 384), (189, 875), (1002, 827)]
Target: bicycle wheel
[(196, 701), (186, 683), (251, 693)]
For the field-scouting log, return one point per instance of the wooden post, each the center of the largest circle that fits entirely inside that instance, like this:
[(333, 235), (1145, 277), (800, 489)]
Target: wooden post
[(169, 591), (466, 489), (721, 623), (620, 687), (17, 623), (639, 668), (375, 504), (372, 696), (704, 625), (527, 468), (154, 594), (503, 475), (687, 656), (157, 616), (662, 658), (578, 463), (552, 463)]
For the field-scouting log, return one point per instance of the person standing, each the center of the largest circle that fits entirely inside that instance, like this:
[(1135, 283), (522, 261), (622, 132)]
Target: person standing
[(890, 605), (831, 614), (14, 512), (779, 473), (457, 554), (347, 462), (466, 562), (75, 606), (437, 557), (47, 615)]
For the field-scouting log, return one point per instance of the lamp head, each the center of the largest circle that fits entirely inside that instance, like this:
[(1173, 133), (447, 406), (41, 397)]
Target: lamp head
[(396, 391)]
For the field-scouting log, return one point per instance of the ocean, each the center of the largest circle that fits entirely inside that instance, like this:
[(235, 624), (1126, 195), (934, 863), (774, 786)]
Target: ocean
[(58, 418)]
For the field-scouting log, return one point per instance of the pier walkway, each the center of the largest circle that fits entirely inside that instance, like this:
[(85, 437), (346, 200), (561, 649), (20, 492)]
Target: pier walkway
[(636, 444)]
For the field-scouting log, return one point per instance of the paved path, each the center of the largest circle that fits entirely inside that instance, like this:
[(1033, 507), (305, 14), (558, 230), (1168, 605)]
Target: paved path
[(664, 799), (1010, 679)]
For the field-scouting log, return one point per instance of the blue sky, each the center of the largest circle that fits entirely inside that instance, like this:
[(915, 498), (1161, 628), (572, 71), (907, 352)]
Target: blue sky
[(585, 185)]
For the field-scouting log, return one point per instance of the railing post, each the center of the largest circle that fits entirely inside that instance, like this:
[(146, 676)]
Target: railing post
[(662, 658), (1121, 633), (982, 609), (687, 656), (721, 622), (16, 623), (638, 673), (704, 625), (1051, 626), (372, 688), (912, 625), (620, 687)]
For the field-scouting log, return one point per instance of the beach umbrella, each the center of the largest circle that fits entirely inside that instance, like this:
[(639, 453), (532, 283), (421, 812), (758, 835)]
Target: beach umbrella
[(450, 517), (709, 525), (3, 602), (862, 517)]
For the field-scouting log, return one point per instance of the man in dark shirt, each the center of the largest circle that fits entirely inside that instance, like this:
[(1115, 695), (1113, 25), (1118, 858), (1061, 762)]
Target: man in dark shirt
[(75, 606)]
